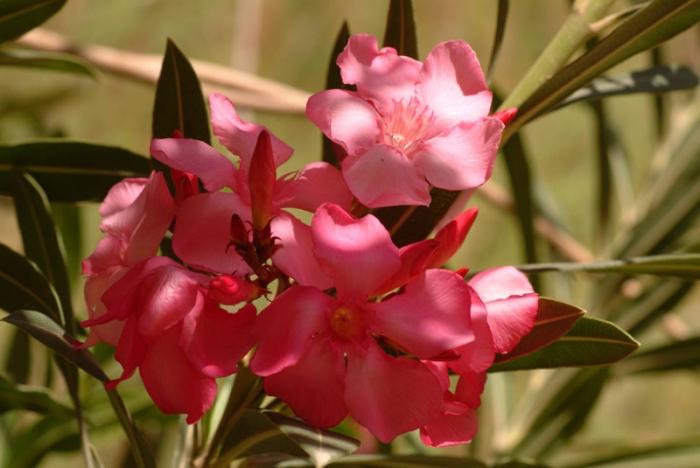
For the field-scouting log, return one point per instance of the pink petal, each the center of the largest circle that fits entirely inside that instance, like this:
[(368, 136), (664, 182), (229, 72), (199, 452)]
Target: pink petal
[(357, 254), (317, 183), (478, 355), (470, 387), (451, 237), (108, 254), (288, 326), (383, 176), (380, 75), (462, 158), (390, 396), (121, 195), (429, 317), (511, 304), (215, 340), (131, 350), (95, 286), (314, 387), (414, 260), (240, 136), (296, 257), (173, 382), (196, 157), (202, 232), (450, 429), (452, 84), (344, 118)]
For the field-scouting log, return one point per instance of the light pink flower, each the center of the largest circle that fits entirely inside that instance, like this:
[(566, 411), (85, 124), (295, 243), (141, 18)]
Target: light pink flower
[(323, 354), (175, 333), (409, 125)]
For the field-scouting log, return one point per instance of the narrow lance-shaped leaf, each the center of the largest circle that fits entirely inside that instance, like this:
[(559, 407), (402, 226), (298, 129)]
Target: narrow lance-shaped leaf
[(19, 16), (590, 342), (332, 150), (499, 33), (37, 399), (413, 461), (673, 356), (18, 359), (400, 31), (44, 61), (683, 451), (69, 170)]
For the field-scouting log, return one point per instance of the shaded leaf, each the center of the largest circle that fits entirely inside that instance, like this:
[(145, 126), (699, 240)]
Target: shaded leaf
[(18, 362), (408, 461), (50, 434), (140, 450), (683, 452), (69, 170), (400, 30), (554, 319), (673, 356), (331, 149), (590, 342), (500, 31), (37, 399), (19, 16), (44, 61), (68, 219), (48, 332)]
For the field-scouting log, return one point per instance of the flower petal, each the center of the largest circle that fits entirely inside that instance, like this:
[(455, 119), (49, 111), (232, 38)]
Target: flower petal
[(196, 157), (429, 317), (317, 183), (357, 254), (383, 176), (240, 136), (296, 257), (173, 382), (451, 237), (414, 260), (389, 395), (314, 387), (470, 387), (121, 195), (130, 351), (202, 232), (452, 84), (288, 326), (511, 304), (478, 355), (215, 340), (462, 158), (450, 429)]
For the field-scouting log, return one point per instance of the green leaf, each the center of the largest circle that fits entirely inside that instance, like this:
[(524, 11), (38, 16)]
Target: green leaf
[(68, 219), (45, 61), (140, 450), (683, 452), (590, 342), (499, 33), (650, 26), (19, 16), (661, 79), (48, 332), (554, 319), (69, 170), (322, 445), (331, 149), (39, 400), (50, 434), (41, 242), (179, 103), (407, 461), (400, 31), (673, 356), (22, 285), (18, 359)]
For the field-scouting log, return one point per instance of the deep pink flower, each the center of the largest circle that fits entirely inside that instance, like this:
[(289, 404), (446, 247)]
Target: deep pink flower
[(175, 333), (409, 125), (320, 353)]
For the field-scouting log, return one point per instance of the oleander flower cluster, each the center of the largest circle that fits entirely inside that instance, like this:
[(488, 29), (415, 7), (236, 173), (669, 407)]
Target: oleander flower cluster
[(205, 264)]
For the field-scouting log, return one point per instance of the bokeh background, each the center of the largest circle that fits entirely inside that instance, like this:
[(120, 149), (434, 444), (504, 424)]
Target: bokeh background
[(290, 41)]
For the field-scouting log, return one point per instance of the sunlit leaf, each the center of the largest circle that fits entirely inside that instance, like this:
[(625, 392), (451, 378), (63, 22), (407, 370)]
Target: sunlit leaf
[(44, 61), (19, 16)]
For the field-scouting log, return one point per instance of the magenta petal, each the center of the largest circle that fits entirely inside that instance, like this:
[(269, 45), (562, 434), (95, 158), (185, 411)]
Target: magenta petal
[(463, 157), (451, 237), (429, 317), (121, 195), (450, 428), (452, 84), (240, 136), (173, 382), (414, 260), (131, 349), (478, 355), (317, 183), (314, 387), (511, 304), (390, 396), (95, 286), (196, 157), (470, 387), (295, 258), (357, 254), (202, 232), (215, 340), (288, 326), (383, 176)]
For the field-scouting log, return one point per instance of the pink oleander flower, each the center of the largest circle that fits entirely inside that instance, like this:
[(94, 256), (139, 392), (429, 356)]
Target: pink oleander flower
[(324, 355), (202, 232), (174, 331), (409, 125)]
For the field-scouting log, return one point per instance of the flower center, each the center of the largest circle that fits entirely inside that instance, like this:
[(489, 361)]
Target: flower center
[(410, 123), (347, 323)]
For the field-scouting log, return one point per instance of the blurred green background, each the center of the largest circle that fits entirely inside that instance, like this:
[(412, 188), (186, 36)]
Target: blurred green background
[(290, 41)]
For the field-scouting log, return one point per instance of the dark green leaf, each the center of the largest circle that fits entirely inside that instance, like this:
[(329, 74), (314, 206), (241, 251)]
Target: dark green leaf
[(68, 219), (590, 342), (68, 170), (331, 150), (500, 31), (50, 434), (407, 461), (179, 104), (44, 61), (48, 332), (400, 31), (41, 242), (19, 16), (22, 285), (18, 363), (140, 450), (657, 80), (554, 319), (673, 356), (683, 452), (39, 400)]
